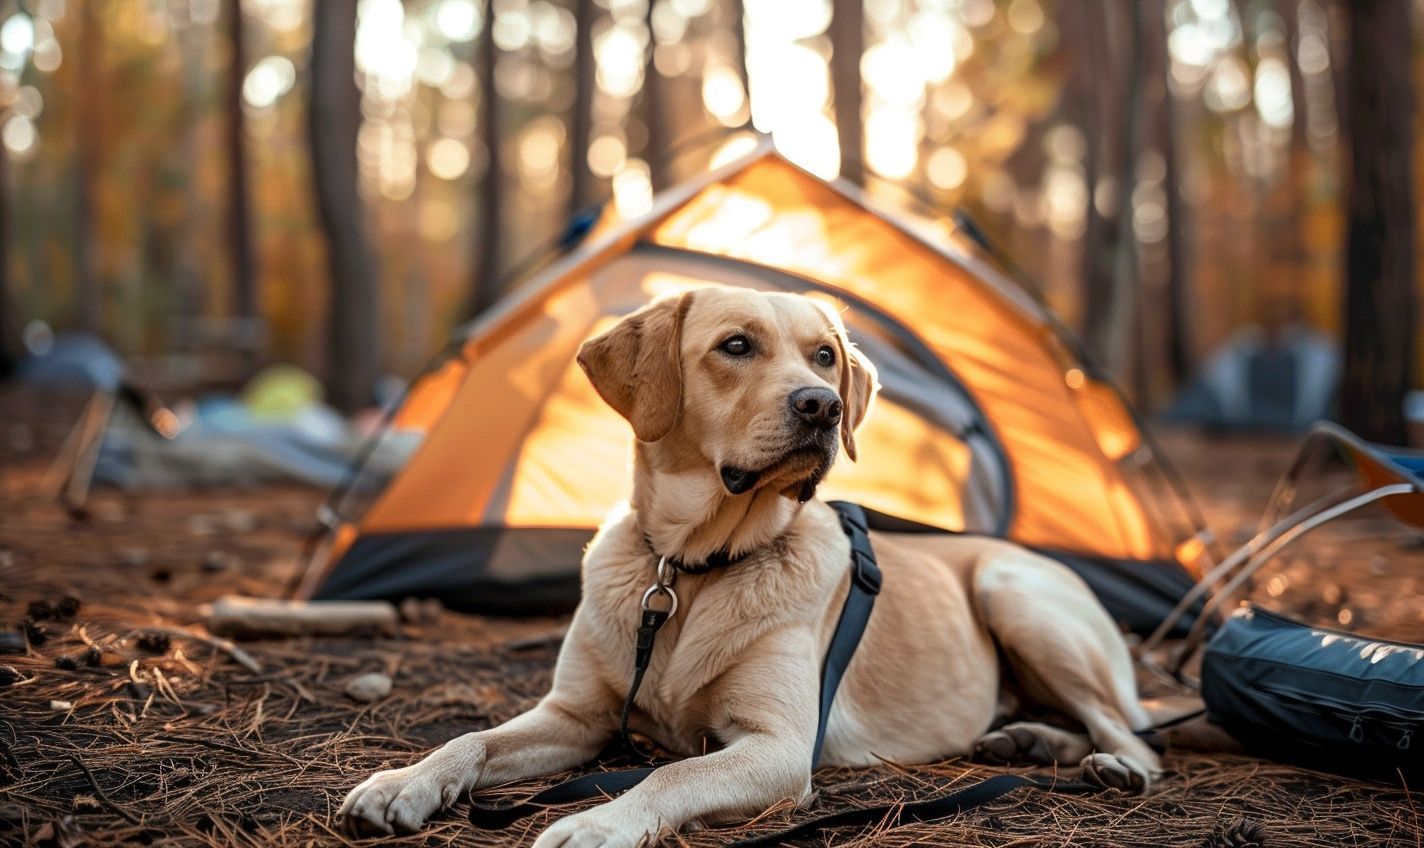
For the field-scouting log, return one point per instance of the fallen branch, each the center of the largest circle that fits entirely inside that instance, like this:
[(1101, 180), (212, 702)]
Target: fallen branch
[(234, 615)]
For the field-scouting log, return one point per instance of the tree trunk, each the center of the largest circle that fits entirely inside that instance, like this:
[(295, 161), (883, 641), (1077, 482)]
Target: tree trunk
[(8, 354), (1380, 299), (1120, 351), (656, 153), (1101, 231), (334, 119), (1178, 285), (484, 288), (190, 287), (847, 46), (581, 125), (244, 253), (87, 291)]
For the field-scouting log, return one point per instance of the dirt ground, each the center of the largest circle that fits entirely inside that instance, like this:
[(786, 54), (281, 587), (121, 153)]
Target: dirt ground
[(118, 726)]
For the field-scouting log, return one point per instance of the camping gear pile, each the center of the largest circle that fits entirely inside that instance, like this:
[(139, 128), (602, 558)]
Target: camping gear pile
[(1302, 692), (277, 429)]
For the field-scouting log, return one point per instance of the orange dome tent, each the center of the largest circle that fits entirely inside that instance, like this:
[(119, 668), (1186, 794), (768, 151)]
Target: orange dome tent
[(988, 421)]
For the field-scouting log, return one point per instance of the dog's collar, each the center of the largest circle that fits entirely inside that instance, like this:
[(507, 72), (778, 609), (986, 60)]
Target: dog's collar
[(720, 558)]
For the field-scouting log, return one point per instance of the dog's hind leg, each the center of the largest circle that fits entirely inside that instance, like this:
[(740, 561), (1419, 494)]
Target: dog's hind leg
[(1067, 655), (1032, 742)]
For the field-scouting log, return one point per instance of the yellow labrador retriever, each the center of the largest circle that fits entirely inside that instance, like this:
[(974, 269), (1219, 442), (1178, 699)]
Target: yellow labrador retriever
[(738, 400)]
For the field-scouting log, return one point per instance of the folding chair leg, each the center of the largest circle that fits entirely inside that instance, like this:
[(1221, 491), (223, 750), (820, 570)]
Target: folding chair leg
[(1229, 565), (1269, 551)]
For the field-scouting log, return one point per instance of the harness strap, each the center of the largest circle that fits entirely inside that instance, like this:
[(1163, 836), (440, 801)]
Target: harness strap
[(865, 580)]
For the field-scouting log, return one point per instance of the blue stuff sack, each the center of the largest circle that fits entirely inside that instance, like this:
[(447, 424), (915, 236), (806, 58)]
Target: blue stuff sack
[(1316, 695)]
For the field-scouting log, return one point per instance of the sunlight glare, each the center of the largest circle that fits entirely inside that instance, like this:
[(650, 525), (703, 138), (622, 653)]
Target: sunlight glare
[(811, 143), (633, 189), (448, 159), (892, 137), (269, 79), (458, 20), (722, 94), (606, 155), (947, 168), (1273, 93), (18, 136), (17, 34)]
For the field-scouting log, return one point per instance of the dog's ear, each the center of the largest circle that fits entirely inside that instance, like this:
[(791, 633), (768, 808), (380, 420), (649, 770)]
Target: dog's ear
[(859, 383), (637, 366)]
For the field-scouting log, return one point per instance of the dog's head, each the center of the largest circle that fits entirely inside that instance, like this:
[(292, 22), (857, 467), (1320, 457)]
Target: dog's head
[(758, 388)]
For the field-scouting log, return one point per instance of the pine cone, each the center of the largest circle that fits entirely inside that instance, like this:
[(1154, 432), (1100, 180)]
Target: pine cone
[(1241, 833)]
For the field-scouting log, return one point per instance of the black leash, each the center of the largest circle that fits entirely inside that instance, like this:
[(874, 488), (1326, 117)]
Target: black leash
[(860, 600), (933, 809)]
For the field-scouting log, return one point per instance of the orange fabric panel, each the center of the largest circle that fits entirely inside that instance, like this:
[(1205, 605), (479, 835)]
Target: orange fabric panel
[(1111, 423), (907, 468), (573, 467), (450, 480), (1068, 494), (430, 396)]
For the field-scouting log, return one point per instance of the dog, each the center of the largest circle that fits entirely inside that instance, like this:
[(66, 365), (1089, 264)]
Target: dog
[(740, 402)]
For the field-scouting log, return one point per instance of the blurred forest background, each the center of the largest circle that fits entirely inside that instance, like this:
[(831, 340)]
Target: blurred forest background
[(213, 185)]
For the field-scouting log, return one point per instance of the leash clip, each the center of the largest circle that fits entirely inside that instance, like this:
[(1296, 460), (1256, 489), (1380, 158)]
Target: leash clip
[(662, 585)]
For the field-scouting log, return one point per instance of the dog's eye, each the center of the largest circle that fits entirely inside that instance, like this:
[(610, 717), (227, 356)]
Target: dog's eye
[(736, 346), (825, 356)]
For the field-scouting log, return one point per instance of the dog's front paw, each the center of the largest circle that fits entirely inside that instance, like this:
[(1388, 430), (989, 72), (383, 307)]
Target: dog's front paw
[(600, 827), (402, 799), (398, 799)]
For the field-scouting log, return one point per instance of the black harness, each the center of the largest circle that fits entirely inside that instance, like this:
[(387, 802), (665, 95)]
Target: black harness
[(865, 580)]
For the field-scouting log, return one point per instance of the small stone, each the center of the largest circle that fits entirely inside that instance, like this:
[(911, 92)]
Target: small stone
[(240, 520), (204, 525), (421, 610), (215, 561), (368, 687), (12, 642), (133, 557), (61, 706)]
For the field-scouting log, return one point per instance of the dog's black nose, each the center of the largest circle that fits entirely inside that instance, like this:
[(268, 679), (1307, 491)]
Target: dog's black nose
[(815, 406)]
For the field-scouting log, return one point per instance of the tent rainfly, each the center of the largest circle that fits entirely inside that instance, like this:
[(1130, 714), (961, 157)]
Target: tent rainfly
[(988, 422)]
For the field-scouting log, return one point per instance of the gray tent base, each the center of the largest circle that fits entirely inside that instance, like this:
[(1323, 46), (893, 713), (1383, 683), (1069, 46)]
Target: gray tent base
[(463, 568)]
